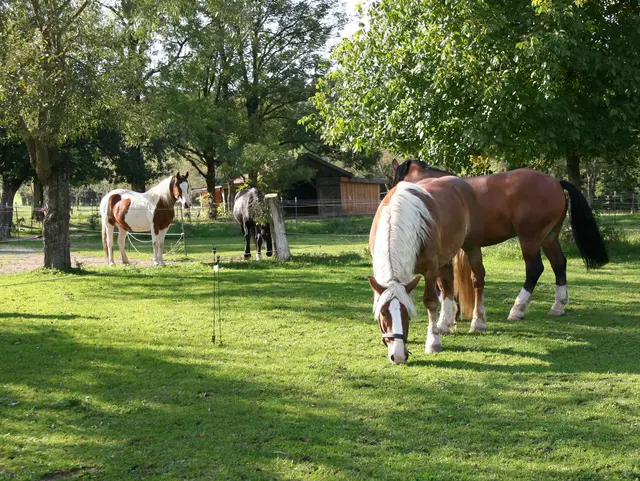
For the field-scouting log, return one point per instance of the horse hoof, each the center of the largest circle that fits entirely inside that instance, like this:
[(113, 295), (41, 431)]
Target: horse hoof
[(556, 310), (432, 348), (112, 264), (247, 257), (515, 315), (444, 330), (269, 253), (477, 326)]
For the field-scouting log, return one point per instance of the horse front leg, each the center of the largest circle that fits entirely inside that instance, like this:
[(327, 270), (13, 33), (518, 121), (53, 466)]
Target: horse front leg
[(479, 321), (534, 268), (247, 241), (122, 237), (430, 301), (258, 241), (448, 308), (160, 245)]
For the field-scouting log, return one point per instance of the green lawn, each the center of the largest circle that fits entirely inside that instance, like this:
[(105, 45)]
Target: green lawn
[(110, 374)]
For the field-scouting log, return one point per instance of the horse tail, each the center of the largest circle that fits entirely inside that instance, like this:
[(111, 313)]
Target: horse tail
[(585, 229), (463, 285)]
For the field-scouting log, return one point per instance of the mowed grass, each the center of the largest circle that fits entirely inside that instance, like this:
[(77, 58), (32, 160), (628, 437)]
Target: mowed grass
[(110, 374)]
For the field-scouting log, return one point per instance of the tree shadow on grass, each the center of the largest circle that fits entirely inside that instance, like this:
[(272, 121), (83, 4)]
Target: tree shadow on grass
[(131, 413)]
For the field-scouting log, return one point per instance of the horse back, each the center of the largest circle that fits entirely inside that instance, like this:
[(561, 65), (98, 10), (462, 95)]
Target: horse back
[(518, 202)]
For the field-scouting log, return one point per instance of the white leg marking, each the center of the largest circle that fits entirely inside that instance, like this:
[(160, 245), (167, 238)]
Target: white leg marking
[(521, 304), (447, 320), (395, 349), (562, 298), (433, 343), (478, 324)]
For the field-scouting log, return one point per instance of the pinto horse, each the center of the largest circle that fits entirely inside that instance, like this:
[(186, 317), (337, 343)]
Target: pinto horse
[(151, 211), (250, 212), (420, 228), (532, 206)]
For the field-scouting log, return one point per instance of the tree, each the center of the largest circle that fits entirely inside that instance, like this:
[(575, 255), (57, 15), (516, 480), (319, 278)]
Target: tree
[(54, 83), (15, 169), (234, 103), (518, 80)]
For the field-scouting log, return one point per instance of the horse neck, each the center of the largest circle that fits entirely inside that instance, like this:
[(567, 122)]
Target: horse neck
[(403, 230), (162, 192)]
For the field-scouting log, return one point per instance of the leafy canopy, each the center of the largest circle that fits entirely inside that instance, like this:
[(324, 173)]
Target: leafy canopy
[(522, 79)]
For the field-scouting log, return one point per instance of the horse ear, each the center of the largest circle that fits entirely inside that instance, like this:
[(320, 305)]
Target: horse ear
[(377, 288), (186, 175), (412, 285), (395, 165), (177, 175)]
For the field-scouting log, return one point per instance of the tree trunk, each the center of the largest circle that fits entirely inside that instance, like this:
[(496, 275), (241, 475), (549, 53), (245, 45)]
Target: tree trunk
[(38, 198), (573, 169), (210, 179), (278, 232), (9, 189), (54, 175)]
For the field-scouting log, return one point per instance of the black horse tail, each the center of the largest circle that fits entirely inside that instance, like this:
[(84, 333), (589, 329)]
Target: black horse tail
[(585, 229)]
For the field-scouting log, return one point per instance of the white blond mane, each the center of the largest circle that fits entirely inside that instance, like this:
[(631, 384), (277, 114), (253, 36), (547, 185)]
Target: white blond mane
[(162, 191), (403, 229)]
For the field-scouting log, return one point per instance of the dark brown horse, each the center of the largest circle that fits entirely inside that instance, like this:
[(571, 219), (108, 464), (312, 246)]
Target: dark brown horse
[(420, 228), (532, 206)]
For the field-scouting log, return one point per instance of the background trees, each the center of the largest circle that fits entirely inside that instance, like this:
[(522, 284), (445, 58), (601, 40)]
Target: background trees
[(521, 80)]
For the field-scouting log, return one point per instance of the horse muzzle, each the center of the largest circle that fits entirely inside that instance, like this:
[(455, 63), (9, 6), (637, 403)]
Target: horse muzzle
[(397, 352)]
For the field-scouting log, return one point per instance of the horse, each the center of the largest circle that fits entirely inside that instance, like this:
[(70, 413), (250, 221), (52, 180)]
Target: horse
[(250, 212), (531, 206), (151, 211), (420, 228)]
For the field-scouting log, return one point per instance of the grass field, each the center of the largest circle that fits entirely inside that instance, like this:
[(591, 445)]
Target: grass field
[(110, 374)]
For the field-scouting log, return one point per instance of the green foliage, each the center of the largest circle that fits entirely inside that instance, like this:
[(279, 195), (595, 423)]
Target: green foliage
[(516, 80)]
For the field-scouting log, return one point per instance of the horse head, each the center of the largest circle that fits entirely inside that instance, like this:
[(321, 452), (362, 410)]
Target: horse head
[(393, 309), (415, 170), (181, 190)]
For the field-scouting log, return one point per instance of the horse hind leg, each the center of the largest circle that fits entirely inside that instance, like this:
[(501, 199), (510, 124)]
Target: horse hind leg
[(534, 269), (479, 321), (122, 238), (558, 261), (448, 307), (107, 241)]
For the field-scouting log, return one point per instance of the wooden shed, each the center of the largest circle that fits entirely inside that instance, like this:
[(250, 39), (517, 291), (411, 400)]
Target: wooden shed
[(333, 191)]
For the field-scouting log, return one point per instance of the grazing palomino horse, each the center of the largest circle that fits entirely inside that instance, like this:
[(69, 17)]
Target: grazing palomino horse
[(251, 213), (152, 211), (419, 228), (532, 206)]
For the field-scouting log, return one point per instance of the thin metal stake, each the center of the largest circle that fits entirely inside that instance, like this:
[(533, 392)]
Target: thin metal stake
[(216, 299)]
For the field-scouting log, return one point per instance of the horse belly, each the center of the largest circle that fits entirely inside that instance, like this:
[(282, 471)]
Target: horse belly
[(138, 219)]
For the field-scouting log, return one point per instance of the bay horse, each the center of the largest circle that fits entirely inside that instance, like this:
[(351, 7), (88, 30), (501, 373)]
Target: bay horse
[(151, 211), (419, 228), (251, 213), (531, 206)]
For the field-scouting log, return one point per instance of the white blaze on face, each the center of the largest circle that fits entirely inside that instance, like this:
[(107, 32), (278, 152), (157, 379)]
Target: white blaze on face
[(396, 348), (185, 198)]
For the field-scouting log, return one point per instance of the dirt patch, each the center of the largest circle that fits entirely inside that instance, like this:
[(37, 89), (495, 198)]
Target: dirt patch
[(15, 259)]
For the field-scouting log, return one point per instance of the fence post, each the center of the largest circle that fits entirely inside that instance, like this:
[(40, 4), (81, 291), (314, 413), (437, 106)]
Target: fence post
[(277, 228)]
